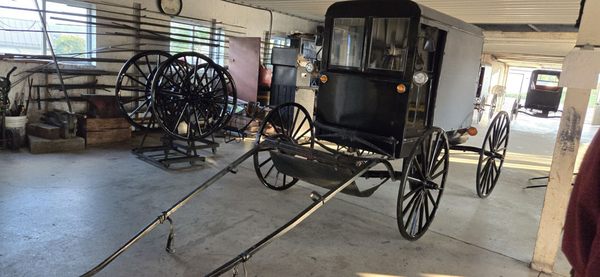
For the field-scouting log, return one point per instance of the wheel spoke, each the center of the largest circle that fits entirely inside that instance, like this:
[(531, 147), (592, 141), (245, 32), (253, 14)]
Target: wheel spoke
[(148, 63), (269, 171), (421, 211), (412, 199), (265, 162), (423, 157), (484, 171), (285, 130), (197, 121), (435, 204), (143, 74), (133, 78), (299, 127), (419, 167), (440, 162), (180, 118), (296, 114), (303, 134), (439, 174), (412, 211), (426, 204), (436, 152)]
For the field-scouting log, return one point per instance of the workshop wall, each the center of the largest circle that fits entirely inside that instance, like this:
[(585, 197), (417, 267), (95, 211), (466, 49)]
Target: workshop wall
[(255, 23)]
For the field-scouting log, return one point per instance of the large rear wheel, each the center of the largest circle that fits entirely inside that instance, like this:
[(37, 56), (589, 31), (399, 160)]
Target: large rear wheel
[(132, 89), (423, 179), (491, 156)]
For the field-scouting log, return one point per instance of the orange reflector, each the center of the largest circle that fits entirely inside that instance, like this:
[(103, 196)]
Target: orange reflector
[(472, 131), (324, 79), (401, 88)]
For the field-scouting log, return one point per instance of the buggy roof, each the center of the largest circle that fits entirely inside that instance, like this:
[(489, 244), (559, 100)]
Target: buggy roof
[(397, 8)]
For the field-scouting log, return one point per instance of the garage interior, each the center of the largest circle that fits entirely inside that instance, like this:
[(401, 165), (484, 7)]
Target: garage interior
[(75, 186)]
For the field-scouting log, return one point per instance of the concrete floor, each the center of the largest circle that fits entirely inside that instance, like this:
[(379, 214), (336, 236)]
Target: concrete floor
[(63, 213)]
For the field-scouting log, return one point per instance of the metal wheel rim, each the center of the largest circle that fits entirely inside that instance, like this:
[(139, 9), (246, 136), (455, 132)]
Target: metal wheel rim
[(493, 105), (189, 96), (232, 95), (421, 187), (263, 164), (146, 72), (495, 141)]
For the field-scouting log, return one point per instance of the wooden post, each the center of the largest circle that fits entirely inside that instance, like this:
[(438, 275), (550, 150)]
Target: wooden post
[(578, 75), (559, 184)]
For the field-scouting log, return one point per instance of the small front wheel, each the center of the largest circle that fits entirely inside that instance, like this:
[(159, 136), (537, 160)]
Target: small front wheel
[(287, 123)]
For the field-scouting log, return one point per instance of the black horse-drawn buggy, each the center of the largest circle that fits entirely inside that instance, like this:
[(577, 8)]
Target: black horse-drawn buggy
[(397, 82), (543, 95)]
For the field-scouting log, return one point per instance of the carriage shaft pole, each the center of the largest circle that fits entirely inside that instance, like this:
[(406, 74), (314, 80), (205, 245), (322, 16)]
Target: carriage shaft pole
[(247, 254), (163, 217), (466, 148)]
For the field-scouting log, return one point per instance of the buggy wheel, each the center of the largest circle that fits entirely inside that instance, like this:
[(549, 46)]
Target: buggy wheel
[(189, 96), (423, 179), (479, 109), (231, 95), (290, 123), (515, 110), (493, 106), (491, 156), (132, 89)]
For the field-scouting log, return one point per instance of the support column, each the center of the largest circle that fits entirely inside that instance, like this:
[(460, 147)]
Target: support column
[(559, 184), (580, 76)]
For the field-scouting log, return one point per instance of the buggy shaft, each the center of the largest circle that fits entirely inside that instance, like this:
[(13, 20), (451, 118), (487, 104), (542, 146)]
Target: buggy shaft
[(165, 215), (318, 203)]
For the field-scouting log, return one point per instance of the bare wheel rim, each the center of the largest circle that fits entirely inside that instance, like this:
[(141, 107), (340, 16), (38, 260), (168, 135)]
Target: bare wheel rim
[(133, 87), (422, 185), (189, 96), (289, 123), (492, 154)]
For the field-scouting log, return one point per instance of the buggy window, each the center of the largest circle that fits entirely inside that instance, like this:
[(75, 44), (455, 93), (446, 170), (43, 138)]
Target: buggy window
[(347, 42), (546, 80), (388, 43)]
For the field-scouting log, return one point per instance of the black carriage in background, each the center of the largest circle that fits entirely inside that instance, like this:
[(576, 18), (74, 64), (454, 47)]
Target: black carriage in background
[(397, 82), (543, 95)]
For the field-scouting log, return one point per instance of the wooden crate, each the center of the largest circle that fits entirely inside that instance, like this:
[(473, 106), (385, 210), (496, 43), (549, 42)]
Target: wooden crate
[(106, 130)]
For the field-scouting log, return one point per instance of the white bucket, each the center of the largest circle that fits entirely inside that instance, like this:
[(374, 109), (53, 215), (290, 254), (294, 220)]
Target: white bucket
[(16, 122)]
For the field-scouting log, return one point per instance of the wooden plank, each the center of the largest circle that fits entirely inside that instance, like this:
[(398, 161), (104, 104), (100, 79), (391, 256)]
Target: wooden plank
[(100, 124), (107, 136)]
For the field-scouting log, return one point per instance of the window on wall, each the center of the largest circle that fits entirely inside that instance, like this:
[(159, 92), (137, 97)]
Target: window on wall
[(69, 24), (198, 38)]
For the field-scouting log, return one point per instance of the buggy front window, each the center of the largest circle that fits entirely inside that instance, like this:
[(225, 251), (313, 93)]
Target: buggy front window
[(388, 44), (547, 80), (347, 42)]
